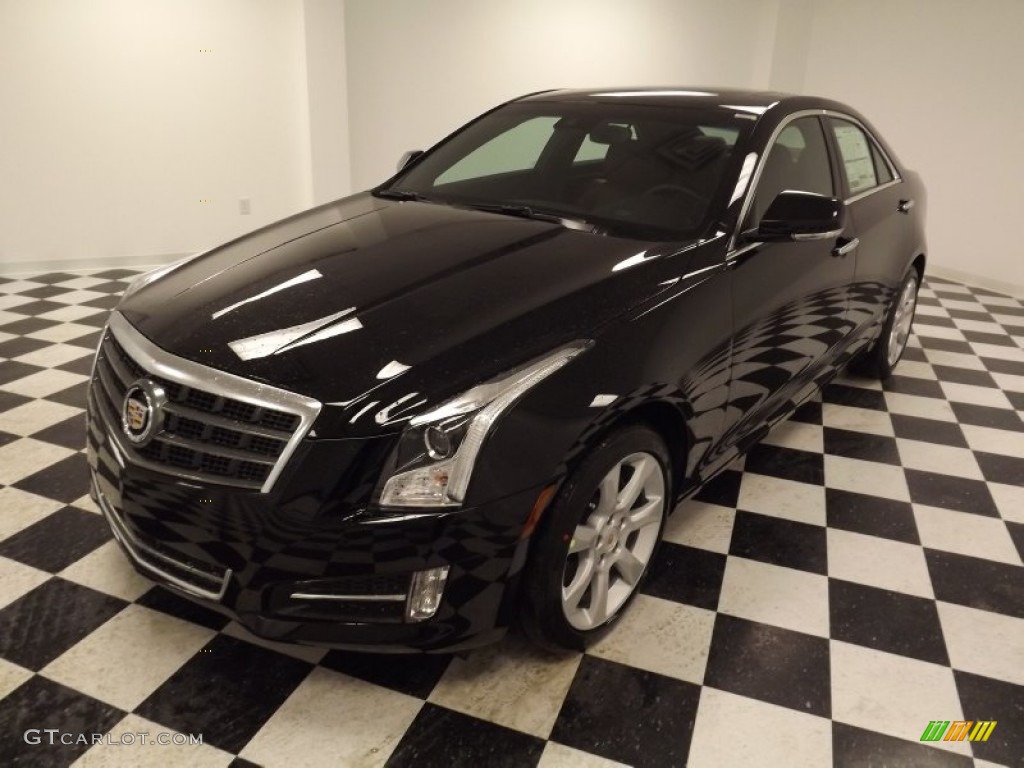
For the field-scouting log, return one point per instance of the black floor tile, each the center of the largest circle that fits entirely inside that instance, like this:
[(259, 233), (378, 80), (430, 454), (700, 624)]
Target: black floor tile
[(11, 370), (104, 302), (440, 738), (861, 445), (986, 699), (953, 375), (54, 277), (69, 433), (724, 489), (82, 366), (771, 664), (96, 321), (996, 339), (999, 468), (914, 354), (686, 575), (856, 397), (231, 690), (41, 625), (117, 274), (911, 385), (977, 583), (808, 413), (854, 747), (10, 400), (786, 463), (1017, 534), (6, 438), (934, 320), (966, 314), (886, 621), (656, 733), (29, 325), (946, 345), (65, 481), (57, 540), (43, 291), (37, 307), (998, 365), (780, 542), (160, 599), (949, 492), (987, 416), (39, 704), (413, 675), (20, 345), (1016, 400), (111, 286), (74, 395), (928, 430), (871, 515)]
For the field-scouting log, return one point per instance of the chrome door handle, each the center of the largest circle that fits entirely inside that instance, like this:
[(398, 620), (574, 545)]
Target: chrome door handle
[(845, 248), (905, 206)]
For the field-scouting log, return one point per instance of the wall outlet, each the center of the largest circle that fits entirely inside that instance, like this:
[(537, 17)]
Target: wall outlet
[(245, 206)]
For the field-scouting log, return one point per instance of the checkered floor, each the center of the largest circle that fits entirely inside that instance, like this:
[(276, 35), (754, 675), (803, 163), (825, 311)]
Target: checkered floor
[(858, 576)]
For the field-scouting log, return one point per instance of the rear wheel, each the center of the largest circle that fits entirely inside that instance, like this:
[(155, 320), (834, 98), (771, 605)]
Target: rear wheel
[(598, 540), (881, 359)]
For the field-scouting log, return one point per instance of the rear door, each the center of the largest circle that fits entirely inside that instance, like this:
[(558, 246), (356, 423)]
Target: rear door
[(881, 209), (789, 298)]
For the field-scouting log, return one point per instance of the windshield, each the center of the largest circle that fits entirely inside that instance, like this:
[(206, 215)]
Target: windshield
[(641, 171)]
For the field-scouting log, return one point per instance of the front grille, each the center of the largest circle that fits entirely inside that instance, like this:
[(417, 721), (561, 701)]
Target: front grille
[(207, 433)]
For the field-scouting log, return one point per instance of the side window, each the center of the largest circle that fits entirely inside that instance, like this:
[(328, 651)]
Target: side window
[(858, 155), (798, 161), (882, 170), (517, 149)]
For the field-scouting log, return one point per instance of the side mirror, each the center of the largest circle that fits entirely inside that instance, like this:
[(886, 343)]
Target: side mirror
[(800, 216), (408, 157)]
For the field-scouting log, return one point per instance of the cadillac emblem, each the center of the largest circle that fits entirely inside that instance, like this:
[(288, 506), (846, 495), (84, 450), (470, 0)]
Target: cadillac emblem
[(142, 413)]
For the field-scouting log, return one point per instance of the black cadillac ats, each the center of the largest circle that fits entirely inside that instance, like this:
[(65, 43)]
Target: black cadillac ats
[(470, 397)]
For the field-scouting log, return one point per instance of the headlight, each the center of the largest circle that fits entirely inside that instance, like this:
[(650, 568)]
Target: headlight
[(437, 452), (155, 274)]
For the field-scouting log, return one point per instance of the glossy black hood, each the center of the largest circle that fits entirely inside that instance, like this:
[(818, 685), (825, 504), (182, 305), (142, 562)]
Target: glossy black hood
[(367, 300)]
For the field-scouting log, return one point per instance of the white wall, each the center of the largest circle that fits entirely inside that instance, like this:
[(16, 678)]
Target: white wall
[(418, 70), (115, 125), (942, 80), (328, 98)]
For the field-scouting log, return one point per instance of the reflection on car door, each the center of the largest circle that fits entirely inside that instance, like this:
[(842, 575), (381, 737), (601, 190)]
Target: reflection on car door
[(789, 298)]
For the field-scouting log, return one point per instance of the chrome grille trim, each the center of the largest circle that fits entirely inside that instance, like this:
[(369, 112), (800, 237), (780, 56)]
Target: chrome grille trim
[(211, 586), (155, 362)]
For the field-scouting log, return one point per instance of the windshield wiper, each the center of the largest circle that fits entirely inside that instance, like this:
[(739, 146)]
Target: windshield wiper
[(529, 212), (400, 194)]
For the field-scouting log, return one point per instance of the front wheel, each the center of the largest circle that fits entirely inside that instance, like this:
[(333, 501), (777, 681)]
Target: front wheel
[(881, 359), (597, 540)]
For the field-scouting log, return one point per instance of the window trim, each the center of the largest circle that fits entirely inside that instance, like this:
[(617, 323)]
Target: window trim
[(748, 199)]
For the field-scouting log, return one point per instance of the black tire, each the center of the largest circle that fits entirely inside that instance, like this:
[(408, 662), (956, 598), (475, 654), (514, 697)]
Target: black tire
[(544, 616), (878, 361)]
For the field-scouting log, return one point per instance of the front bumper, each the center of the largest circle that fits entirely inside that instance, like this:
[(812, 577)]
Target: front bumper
[(247, 554)]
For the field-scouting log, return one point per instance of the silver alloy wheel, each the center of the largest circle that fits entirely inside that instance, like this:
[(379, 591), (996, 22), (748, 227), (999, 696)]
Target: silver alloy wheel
[(900, 331), (612, 547)]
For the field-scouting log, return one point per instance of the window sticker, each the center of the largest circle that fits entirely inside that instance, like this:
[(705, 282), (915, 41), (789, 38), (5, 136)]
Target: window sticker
[(853, 145)]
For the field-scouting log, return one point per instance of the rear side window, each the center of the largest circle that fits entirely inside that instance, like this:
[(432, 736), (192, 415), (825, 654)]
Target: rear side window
[(797, 161), (863, 162), (517, 149)]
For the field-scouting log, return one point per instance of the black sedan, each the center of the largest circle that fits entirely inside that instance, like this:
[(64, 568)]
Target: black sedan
[(470, 397)]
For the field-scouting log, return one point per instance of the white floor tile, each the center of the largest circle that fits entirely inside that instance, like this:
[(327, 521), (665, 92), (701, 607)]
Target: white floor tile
[(942, 459), (798, 435), (63, 332), (988, 440), (511, 684), (954, 359), (771, 594), (733, 730), (857, 419), (787, 499), (34, 416), (348, 721), (1008, 382), (1009, 501), (71, 313), (661, 636), (891, 694), (19, 510), (24, 457), (998, 352), (80, 296), (878, 562), (43, 383), (701, 525), (937, 332), (17, 579), (53, 355), (982, 642), (872, 477), (106, 569), (130, 656), (924, 407), (965, 534), (11, 676), (557, 755), (149, 753), (974, 395)]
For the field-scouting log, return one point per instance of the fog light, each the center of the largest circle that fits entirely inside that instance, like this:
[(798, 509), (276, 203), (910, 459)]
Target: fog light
[(425, 593)]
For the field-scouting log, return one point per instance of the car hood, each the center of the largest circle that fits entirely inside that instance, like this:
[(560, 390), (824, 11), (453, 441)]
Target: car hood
[(372, 301)]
